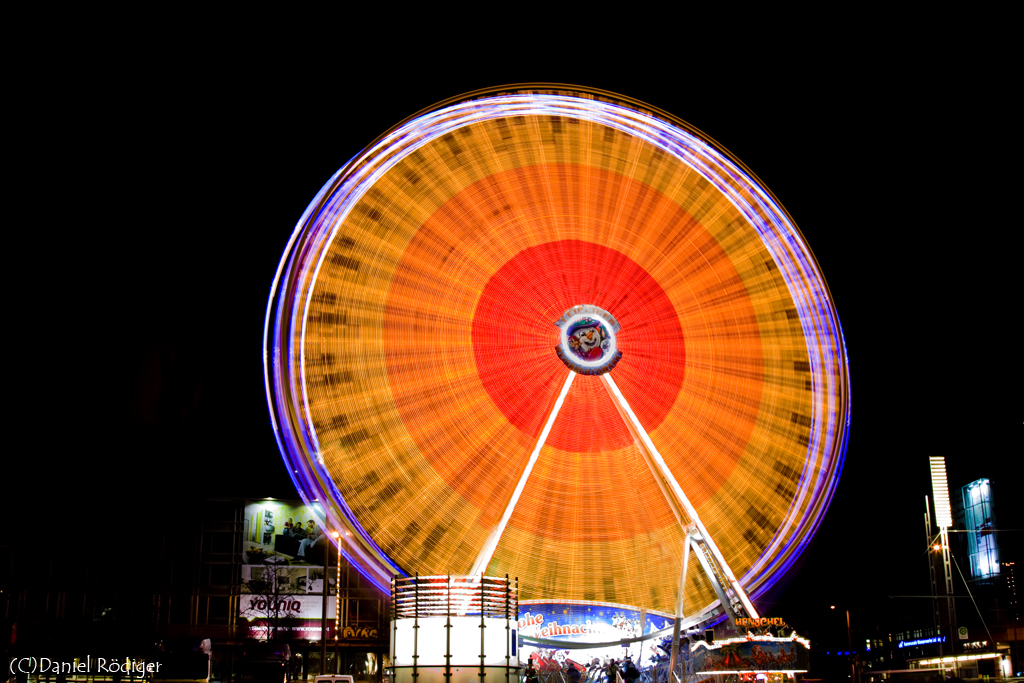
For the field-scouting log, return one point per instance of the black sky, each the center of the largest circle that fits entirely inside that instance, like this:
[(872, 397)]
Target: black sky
[(161, 191)]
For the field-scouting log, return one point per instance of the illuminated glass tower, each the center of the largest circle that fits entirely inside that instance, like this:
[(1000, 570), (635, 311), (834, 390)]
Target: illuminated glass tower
[(980, 526)]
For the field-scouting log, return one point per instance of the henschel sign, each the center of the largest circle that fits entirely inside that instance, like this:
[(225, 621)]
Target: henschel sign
[(763, 621)]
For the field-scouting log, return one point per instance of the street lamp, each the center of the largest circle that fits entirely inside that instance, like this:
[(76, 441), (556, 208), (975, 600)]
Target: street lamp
[(323, 613), (337, 598), (849, 643), (324, 590)]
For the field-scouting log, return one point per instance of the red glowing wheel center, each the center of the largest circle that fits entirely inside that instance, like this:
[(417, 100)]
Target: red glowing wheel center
[(534, 288)]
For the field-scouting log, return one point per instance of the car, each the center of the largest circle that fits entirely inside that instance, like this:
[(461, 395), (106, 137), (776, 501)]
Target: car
[(334, 678)]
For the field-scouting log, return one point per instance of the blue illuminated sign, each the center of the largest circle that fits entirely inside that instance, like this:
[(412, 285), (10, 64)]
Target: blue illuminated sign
[(922, 641)]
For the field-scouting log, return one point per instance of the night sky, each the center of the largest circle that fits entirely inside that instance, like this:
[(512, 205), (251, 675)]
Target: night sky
[(165, 191)]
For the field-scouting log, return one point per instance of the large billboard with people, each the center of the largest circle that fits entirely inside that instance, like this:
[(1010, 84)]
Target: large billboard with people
[(283, 533), (283, 575)]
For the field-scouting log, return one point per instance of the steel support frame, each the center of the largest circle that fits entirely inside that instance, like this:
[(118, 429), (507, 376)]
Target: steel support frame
[(930, 539), (731, 595), (950, 606), (677, 627), (723, 580)]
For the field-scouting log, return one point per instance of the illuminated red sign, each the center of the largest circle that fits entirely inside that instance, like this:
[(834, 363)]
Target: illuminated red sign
[(763, 621)]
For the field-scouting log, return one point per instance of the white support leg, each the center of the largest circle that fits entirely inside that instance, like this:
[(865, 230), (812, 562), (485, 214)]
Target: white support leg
[(638, 440), (491, 544)]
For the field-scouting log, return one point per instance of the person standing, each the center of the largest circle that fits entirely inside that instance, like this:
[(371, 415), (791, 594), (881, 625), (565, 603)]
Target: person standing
[(531, 673), (629, 671), (612, 671)]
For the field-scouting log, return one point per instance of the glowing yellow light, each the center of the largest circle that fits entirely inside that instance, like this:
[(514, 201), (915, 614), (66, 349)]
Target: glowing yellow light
[(940, 491)]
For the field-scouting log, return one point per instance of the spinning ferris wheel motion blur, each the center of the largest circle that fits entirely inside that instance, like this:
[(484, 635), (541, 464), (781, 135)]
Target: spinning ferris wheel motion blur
[(554, 333)]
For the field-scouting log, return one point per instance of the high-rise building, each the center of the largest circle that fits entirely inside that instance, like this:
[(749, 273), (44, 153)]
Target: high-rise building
[(979, 523), (987, 562), (1009, 586)]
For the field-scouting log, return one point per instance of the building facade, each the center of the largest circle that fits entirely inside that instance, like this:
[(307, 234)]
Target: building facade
[(182, 571)]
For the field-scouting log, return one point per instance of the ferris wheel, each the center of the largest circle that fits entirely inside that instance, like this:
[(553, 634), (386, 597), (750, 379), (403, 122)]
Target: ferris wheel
[(555, 333)]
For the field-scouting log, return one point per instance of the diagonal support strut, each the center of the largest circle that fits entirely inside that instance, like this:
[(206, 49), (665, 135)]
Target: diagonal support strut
[(491, 544)]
